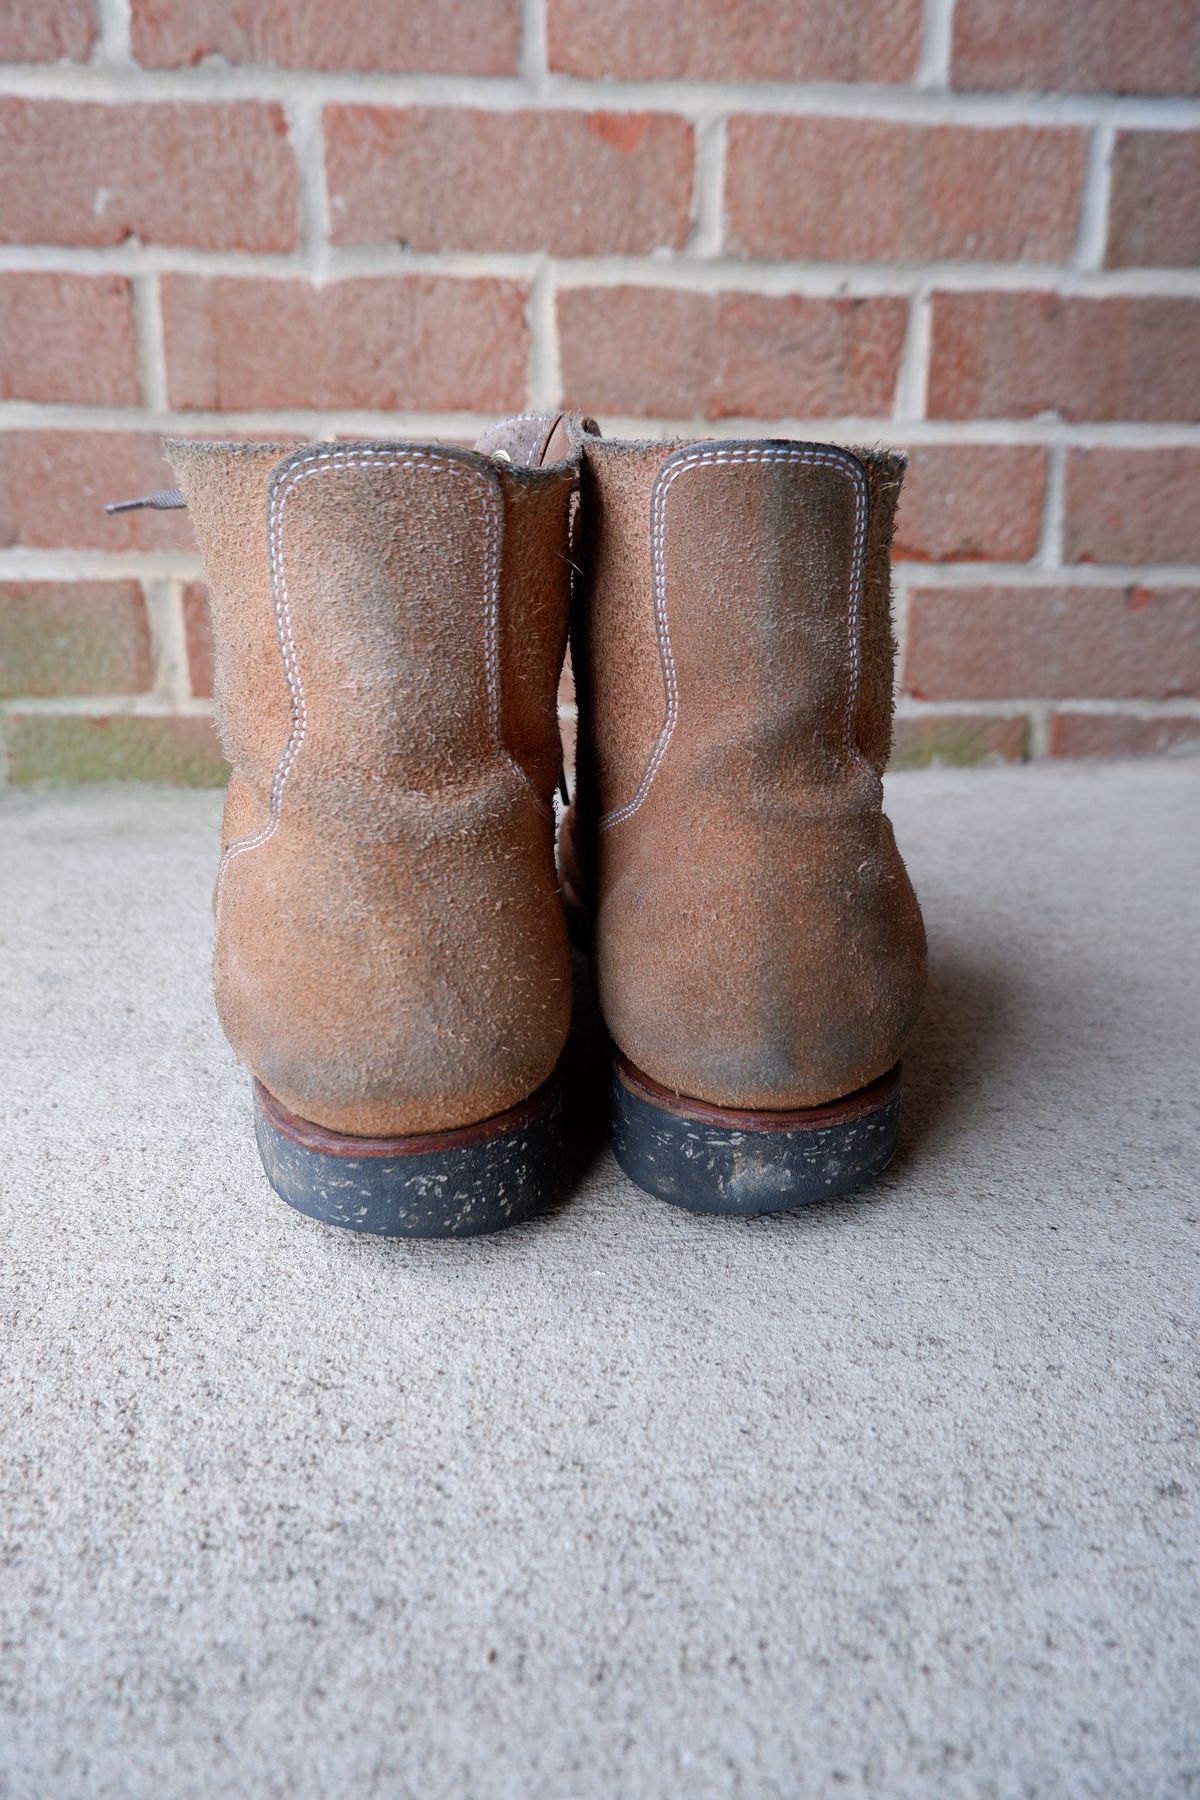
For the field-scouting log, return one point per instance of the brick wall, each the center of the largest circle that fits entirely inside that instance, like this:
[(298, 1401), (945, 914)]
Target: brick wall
[(964, 227)]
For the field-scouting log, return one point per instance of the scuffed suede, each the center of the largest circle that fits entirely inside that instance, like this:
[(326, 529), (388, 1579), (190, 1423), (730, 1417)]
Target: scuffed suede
[(873, 718), (757, 941), (389, 622)]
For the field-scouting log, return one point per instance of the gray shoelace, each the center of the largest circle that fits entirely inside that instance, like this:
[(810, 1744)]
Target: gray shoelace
[(162, 500)]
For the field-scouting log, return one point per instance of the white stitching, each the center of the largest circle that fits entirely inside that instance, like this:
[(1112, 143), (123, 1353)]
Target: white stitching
[(703, 456), (517, 419), (313, 463)]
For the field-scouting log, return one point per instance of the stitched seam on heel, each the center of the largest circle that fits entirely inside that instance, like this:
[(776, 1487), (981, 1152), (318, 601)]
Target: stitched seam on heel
[(324, 461), (709, 456)]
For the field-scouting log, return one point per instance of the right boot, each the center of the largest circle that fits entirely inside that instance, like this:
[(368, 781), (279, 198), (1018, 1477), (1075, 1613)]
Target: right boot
[(757, 946), (390, 957)]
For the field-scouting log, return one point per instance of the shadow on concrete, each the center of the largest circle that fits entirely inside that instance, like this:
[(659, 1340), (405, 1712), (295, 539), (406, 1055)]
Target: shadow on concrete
[(968, 1019), (970, 1015), (586, 1075)]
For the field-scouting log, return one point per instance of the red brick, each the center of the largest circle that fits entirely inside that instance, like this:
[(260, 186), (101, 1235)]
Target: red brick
[(378, 36), (971, 503), (1103, 46), (1133, 506), (1052, 643), (51, 31), (197, 625), (68, 338), (872, 191), (689, 355), (453, 178), (417, 341), (958, 740), (216, 177), (1154, 212), (54, 486), (74, 637), (65, 748), (1014, 355), (1123, 734), (752, 40)]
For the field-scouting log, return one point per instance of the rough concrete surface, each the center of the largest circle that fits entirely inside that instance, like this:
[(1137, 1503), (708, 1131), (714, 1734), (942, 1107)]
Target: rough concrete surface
[(893, 1497)]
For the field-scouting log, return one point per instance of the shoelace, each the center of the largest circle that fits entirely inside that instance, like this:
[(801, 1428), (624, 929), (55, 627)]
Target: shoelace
[(162, 500), (172, 500)]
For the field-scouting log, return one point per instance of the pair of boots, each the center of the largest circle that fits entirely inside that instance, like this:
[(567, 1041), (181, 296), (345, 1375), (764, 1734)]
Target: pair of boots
[(392, 958)]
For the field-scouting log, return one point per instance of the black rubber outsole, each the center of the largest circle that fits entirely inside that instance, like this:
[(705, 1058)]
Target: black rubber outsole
[(712, 1159), (459, 1183)]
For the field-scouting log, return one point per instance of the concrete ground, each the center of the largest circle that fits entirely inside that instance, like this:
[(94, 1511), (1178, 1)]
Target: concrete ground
[(893, 1497)]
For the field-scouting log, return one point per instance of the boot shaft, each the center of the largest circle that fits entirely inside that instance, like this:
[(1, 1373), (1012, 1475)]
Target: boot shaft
[(389, 625), (737, 618), (757, 941), (399, 608)]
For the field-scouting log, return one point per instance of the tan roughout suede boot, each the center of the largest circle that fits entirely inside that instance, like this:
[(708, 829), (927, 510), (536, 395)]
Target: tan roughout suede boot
[(758, 948), (390, 958)]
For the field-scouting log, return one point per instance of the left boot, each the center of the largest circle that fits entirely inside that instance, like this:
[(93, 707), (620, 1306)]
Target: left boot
[(390, 961)]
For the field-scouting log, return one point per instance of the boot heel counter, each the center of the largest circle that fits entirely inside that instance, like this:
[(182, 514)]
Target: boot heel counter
[(759, 942), (390, 956), (795, 983)]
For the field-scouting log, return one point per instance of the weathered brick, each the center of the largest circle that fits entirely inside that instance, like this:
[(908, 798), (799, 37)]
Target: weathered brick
[(416, 341), (73, 637), (379, 36), (457, 178), (998, 355), (875, 191), (752, 40), (958, 740), (68, 338), (197, 626), (219, 177), (971, 503), (689, 355), (54, 486), (1052, 643), (1154, 211), (61, 749), (51, 31), (1123, 734), (1117, 46), (1133, 506)]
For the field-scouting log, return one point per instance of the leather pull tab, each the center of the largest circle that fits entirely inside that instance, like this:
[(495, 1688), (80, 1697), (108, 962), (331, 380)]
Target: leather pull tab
[(558, 444)]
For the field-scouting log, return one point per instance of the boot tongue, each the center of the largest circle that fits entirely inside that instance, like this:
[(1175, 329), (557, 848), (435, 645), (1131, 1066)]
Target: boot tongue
[(522, 440), (533, 440)]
